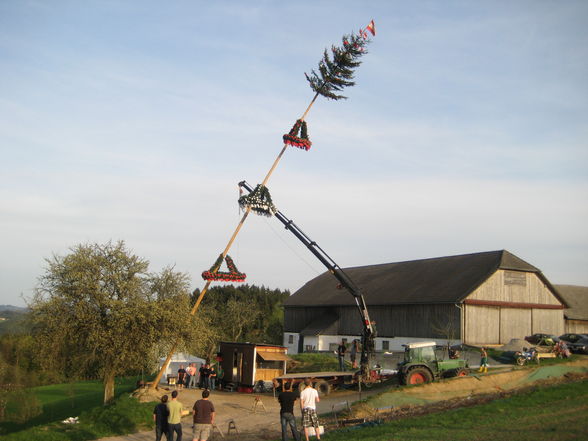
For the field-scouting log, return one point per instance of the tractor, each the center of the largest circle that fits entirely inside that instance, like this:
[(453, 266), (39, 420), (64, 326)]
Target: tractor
[(420, 365)]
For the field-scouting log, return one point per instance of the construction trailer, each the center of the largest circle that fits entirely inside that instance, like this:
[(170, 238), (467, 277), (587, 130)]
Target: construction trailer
[(245, 364)]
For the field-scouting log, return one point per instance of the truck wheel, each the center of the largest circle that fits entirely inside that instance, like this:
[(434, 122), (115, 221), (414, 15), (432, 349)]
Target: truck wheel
[(323, 387), (418, 376)]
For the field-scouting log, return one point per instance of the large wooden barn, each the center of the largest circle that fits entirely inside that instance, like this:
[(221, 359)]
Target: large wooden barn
[(482, 298)]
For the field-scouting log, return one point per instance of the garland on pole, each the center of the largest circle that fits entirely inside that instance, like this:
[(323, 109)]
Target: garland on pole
[(259, 200), (232, 276), (294, 140), (337, 72)]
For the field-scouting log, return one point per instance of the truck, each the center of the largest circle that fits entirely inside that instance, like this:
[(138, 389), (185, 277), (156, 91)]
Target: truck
[(421, 365)]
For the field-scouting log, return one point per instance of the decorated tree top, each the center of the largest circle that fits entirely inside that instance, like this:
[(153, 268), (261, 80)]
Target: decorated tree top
[(335, 70)]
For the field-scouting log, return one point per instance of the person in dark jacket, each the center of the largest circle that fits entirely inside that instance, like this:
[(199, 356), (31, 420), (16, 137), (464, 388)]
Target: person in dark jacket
[(160, 414)]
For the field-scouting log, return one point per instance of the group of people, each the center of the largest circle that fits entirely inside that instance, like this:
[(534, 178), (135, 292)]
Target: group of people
[(342, 349), (168, 414), (209, 376), (308, 399)]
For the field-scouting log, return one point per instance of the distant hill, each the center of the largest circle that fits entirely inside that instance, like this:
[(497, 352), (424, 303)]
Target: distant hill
[(12, 320), (12, 308)]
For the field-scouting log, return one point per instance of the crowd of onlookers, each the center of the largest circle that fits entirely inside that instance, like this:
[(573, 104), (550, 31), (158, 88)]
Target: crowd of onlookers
[(209, 376)]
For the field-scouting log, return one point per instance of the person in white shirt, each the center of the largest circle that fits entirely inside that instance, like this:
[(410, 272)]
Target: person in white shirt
[(308, 399)]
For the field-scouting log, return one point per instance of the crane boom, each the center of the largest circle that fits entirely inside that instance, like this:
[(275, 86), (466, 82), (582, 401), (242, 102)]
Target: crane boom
[(369, 333)]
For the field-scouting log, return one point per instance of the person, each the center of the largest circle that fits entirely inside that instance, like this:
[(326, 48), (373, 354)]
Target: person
[(287, 400), (205, 373), (212, 377), (204, 414), (220, 375), (160, 414), (174, 419), (341, 355), (308, 399), (353, 353), (483, 360), (203, 370), (192, 371), (181, 376)]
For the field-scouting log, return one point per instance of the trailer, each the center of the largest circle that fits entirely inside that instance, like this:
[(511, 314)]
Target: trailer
[(323, 382)]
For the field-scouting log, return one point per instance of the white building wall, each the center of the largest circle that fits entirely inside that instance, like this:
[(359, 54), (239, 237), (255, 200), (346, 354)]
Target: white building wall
[(292, 337)]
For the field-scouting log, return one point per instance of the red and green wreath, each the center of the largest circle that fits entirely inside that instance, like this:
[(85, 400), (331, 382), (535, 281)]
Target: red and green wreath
[(292, 138), (232, 276)]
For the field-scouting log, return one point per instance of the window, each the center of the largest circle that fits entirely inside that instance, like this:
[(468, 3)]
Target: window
[(385, 345), (290, 339)]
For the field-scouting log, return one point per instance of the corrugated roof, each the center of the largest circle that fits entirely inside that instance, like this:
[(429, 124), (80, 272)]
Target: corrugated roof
[(576, 298), (437, 280)]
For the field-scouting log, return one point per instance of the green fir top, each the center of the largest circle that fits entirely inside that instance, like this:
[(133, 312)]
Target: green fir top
[(335, 71)]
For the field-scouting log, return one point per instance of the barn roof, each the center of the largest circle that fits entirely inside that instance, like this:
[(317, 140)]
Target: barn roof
[(437, 280), (576, 298)]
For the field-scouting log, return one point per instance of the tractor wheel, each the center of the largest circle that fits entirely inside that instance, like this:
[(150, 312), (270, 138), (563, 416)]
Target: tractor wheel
[(462, 372), (323, 387), (521, 361), (418, 376)]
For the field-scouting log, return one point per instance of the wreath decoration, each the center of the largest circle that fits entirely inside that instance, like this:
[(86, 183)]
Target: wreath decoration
[(259, 200), (292, 138), (232, 276)]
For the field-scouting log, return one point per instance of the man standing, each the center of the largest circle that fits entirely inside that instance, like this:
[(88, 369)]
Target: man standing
[(192, 371), (174, 419), (308, 399), (204, 413), (341, 355), (287, 399), (160, 418)]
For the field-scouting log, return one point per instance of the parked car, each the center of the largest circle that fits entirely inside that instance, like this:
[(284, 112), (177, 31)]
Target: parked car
[(579, 346), (572, 338), (542, 339)]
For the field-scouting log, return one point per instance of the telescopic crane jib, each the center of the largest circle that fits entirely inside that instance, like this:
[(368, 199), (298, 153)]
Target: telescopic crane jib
[(369, 332)]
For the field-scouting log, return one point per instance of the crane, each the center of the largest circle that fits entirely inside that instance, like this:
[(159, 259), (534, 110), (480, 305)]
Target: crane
[(368, 329)]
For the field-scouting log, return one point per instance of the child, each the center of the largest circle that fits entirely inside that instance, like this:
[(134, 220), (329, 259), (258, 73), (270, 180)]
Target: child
[(483, 360)]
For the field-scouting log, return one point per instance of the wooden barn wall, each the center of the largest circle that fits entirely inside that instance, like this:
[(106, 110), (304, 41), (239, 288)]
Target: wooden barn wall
[(298, 318), (515, 323), (548, 321), (404, 320), (481, 324), (514, 286), (576, 327)]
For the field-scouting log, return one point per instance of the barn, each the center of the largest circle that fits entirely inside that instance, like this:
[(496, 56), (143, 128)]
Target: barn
[(576, 314), (480, 298)]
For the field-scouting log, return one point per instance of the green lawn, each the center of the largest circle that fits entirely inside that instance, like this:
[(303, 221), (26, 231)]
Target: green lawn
[(547, 413), (83, 399)]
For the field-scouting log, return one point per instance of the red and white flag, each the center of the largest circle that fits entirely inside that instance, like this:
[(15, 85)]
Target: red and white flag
[(372, 28)]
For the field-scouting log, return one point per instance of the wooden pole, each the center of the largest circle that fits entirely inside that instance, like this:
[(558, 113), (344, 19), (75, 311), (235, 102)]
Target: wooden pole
[(226, 251)]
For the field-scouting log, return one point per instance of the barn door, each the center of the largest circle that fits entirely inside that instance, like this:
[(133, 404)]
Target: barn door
[(514, 323)]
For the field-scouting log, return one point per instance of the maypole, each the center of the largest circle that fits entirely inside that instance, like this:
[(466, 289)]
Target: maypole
[(334, 73)]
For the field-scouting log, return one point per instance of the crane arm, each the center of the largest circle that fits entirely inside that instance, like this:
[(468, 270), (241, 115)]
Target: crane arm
[(369, 333)]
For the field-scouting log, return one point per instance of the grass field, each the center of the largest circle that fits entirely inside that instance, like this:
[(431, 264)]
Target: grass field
[(546, 413), (83, 399)]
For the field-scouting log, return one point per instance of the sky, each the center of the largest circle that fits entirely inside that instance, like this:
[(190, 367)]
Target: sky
[(466, 131)]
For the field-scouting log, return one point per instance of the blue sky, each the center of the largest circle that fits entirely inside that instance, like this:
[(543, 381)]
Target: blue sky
[(466, 132)]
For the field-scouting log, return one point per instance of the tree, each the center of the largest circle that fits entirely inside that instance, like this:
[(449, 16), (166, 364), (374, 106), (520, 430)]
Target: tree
[(98, 312)]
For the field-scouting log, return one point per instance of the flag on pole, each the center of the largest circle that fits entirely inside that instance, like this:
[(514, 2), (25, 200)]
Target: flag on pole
[(372, 28)]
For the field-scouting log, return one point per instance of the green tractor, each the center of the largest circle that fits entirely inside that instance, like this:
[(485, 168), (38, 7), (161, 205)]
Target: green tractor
[(420, 365)]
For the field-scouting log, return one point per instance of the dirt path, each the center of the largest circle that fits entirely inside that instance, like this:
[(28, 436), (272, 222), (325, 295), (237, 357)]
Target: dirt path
[(261, 425)]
